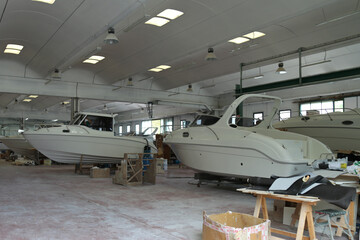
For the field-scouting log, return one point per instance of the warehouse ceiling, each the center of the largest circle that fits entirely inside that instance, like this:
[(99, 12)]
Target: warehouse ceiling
[(62, 35)]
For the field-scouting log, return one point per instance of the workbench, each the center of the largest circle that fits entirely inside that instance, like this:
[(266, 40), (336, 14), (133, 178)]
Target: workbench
[(304, 203)]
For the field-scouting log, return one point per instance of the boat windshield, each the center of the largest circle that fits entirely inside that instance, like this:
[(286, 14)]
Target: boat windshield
[(245, 121), (100, 123), (204, 120)]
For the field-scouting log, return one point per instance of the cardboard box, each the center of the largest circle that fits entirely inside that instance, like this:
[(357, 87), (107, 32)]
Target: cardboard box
[(161, 165), (47, 162), (96, 172), (232, 225)]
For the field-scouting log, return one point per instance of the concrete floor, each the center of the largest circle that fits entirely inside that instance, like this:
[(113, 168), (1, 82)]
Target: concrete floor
[(51, 202)]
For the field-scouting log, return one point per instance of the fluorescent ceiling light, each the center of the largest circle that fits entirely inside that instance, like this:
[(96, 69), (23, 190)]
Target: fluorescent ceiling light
[(164, 67), (12, 51), (15, 46), (157, 21), (45, 1), (259, 76), (66, 102), (33, 96), (93, 59), (27, 100), (239, 40), (170, 14), (55, 120), (155, 70), (26, 119), (97, 58), (254, 35), (90, 61)]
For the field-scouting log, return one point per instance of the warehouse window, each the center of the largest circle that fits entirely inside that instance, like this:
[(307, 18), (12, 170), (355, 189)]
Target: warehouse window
[(167, 125), (284, 114), (128, 128), (258, 117), (137, 129), (120, 130), (183, 124), (321, 107)]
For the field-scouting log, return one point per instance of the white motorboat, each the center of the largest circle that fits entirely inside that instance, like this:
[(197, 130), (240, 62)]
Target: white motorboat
[(20, 145), (260, 151), (3, 146), (338, 130), (89, 138)]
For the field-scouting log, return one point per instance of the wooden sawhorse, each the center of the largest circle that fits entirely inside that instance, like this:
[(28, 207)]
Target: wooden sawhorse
[(305, 204)]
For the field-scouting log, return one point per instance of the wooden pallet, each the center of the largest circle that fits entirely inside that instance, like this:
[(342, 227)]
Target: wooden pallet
[(131, 170)]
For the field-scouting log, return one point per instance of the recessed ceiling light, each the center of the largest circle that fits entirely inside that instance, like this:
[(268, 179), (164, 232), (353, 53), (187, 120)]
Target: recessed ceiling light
[(33, 96), (157, 21), (27, 100), (97, 58), (170, 14), (12, 51), (155, 70), (45, 1), (254, 35), (164, 67), (15, 46), (239, 40), (90, 61), (93, 59)]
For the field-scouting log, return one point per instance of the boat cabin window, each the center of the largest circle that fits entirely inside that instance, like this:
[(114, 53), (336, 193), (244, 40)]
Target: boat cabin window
[(100, 123), (204, 120), (241, 121)]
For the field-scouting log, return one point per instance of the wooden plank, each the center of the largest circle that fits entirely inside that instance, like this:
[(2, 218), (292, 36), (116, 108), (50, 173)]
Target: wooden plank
[(257, 206), (264, 208), (293, 198), (310, 222), (286, 233)]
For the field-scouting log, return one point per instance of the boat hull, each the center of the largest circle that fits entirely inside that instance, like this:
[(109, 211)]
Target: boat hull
[(234, 162), (334, 137), (20, 146), (339, 130), (101, 147), (228, 149)]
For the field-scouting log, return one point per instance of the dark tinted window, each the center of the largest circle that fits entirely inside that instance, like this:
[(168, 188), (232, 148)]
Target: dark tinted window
[(204, 120)]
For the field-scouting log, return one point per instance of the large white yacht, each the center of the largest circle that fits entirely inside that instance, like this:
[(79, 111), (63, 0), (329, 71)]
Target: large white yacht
[(89, 138), (228, 149), (338, 130)]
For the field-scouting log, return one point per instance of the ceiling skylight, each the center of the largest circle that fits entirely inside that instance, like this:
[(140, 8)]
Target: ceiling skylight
[(93, 59), (157, 21), (45, 1), (254, 35), (170, 14), (159, 68), (239, 40), (27, 100), (13, 48), (33, 96)]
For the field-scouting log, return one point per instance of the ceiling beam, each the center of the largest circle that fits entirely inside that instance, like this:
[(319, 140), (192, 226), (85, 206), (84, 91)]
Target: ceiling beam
[(39, 86)]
